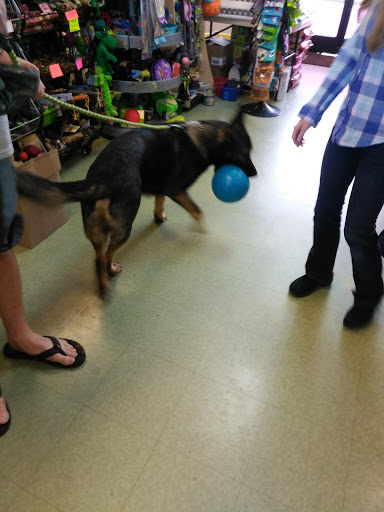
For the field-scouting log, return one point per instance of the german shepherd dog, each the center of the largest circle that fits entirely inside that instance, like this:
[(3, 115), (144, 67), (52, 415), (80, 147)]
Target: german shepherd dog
[(163, 163)]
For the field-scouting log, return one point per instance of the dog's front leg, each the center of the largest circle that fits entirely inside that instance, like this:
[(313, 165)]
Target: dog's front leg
[(158, 211), (186, 202)]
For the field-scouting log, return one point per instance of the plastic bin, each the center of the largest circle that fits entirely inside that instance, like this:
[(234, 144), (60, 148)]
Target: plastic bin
[(231, 93), (218, 82)]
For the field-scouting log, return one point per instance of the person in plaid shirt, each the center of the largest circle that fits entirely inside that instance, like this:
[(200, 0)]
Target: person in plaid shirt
[(355, 152)]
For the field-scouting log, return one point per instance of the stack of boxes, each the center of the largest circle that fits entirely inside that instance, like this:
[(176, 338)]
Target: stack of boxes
[(220, 53)]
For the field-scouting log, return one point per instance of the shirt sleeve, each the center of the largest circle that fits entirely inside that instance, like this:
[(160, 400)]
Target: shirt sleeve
[(340, 73)]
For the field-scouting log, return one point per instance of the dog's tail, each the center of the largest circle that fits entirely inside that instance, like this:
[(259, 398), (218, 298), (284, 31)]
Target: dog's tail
[(40, 189)]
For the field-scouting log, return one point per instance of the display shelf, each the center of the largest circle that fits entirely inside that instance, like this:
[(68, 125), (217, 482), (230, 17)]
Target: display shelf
[(146, 87), (128, 42)]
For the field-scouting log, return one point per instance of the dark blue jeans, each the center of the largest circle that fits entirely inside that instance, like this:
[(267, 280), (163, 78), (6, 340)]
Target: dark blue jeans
[(340, 167)]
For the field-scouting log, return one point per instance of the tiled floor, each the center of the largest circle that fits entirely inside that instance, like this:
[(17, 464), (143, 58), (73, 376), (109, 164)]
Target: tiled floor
[(207, 388)]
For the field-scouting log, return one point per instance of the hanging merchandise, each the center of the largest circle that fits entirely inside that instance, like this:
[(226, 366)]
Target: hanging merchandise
[(211, 8), (104, 71), (192, 50), (152, 21)]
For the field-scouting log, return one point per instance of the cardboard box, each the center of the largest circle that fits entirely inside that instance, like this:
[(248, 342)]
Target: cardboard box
[(40, 221), (221, 72), (220, 52)]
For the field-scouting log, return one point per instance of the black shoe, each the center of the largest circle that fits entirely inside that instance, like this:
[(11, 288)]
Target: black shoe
[(358, 317), (304, 286)]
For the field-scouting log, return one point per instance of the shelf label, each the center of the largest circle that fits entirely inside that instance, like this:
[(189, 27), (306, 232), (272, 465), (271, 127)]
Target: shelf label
[(55, 70), (71, 15), (79, 63), (74, 25), (45, 8)]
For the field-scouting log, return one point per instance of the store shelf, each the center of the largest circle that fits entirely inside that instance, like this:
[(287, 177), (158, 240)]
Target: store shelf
[(128, 42), (145, 87)]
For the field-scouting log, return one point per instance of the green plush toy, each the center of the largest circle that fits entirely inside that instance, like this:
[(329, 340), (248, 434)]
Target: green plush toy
[(104, 70)]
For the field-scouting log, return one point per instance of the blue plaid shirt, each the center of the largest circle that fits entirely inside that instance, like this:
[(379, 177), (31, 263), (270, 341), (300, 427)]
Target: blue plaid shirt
[(360, 122)]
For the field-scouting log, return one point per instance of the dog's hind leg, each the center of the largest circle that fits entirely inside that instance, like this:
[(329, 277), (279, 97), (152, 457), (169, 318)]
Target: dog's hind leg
[(186, 202), (101, 269), (158, 211), (117, 240)]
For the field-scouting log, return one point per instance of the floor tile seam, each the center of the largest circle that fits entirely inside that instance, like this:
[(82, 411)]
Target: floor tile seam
[(278, 502), (231, 388), (313, 422), (254, 444), (272, 497), (246, 457), (55, 443), (237, 498), (59, 509), (347, 475), (124, 425), (141, 472), (172, 448), (21, 488)]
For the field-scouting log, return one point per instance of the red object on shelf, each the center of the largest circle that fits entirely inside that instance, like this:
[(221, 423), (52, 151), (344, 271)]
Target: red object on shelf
[(132, 115)]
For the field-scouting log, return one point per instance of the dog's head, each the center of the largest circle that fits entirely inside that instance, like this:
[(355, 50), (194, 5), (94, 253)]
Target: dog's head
[(236, 146)]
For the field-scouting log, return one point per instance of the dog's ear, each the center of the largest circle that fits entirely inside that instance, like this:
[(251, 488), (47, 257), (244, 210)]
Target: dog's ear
[(238, 121)]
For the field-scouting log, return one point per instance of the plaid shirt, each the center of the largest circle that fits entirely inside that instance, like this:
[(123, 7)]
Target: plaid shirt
[(360, 122)]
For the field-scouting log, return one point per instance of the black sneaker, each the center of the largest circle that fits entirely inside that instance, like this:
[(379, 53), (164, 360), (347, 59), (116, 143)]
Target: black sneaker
[(304, 286), (358, 317)]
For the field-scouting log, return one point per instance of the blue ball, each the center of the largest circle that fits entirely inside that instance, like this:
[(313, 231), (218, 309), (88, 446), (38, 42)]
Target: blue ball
[(230, 183)]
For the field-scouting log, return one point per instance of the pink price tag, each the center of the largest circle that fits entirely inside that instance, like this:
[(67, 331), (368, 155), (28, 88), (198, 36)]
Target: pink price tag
[(45, 8), (79, 63), (71, 15), (55, 70)]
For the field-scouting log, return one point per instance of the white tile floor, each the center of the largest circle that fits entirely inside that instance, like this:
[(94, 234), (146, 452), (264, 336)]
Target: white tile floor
[(207, 388)]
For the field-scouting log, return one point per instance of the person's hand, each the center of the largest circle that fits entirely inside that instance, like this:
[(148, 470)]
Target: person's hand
[(40, 90), (28, 65), (299, 132), (41, 86)]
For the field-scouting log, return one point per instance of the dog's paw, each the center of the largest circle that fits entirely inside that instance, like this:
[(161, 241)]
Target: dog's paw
[(200, 226), (114, 269), (159, 219)]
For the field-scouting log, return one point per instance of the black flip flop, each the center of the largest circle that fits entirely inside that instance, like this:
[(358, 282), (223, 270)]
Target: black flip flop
[(42, 357), (5, 426)]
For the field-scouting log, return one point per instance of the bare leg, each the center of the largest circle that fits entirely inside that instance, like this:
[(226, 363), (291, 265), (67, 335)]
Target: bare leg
[(186, 202), (4, 416), (20, 335), (159, 212)]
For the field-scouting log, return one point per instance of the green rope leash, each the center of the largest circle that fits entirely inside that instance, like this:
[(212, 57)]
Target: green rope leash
[(88, 113), (102, 117)]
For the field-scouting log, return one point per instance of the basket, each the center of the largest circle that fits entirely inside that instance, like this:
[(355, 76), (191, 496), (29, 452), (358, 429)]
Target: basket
[(231, 93), (218, 82)]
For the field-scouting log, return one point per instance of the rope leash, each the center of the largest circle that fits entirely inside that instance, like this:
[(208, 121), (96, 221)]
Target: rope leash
[(88, 113)]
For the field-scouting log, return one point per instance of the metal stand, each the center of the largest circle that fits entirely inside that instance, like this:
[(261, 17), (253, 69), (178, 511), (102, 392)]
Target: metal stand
[(261, 109)]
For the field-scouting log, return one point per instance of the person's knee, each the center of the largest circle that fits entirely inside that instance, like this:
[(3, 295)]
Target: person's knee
[(357, 235)]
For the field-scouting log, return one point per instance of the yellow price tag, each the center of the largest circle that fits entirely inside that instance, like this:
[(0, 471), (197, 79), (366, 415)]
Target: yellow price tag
[(74, 25)]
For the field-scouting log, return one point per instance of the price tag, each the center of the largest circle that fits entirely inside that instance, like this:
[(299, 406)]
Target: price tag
[(71, 15), (9, 27), (45, 8), (55, 70), (74, 25), (79, 63)]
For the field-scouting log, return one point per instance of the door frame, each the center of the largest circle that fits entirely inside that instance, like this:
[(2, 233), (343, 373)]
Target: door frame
[(326, 44)]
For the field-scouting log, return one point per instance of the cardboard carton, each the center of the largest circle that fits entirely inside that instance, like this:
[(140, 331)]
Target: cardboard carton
[(40, 221), (220, 53)]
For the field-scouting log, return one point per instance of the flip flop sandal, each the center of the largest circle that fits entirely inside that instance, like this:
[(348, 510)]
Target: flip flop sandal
[(42, 357), (5, 426)]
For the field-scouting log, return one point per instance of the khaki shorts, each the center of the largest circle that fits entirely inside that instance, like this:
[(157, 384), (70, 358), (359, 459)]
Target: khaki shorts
[(11, 223)]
